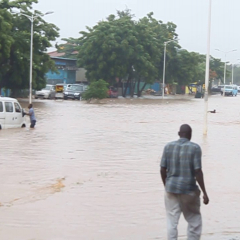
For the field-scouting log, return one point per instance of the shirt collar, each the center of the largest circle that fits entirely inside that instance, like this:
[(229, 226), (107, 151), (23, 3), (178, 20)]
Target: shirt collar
[(183, 140)]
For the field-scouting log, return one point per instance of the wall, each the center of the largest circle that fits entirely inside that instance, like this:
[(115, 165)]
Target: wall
[(81, 75), (5, 92), (155, 87), (66, 72)]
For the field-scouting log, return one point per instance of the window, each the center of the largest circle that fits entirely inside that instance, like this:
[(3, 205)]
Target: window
[(17, 107), (48, 87), (9, 107), (76, 88), (1, 107)]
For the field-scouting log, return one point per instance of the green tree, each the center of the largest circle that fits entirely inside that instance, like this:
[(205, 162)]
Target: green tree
[(96, 90), (187, 67), (123, 48), (218, 66), (15, 36), (69, 49)]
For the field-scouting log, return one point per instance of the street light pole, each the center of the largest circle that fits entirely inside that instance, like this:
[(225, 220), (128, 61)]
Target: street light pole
[(225, 67), (205, 129), (31, 18), (164, 67), (164, 64), (31, 59)]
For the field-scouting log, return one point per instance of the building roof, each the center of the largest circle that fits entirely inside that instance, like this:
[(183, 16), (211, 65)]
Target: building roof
[(56, 54)]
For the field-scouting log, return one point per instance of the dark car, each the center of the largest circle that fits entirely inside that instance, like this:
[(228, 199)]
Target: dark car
[(74, 92), (216, 89)]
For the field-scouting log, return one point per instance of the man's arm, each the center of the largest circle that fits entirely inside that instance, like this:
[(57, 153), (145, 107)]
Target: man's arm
[(29, 113), (200, 180), (163, 172)]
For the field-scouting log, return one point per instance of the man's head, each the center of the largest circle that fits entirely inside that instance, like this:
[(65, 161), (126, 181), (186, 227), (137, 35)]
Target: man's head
[(185, 132), (30, 106)]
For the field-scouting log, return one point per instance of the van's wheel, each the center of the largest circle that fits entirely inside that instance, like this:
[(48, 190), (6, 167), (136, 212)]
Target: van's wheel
[(0, 127), (23, 126)]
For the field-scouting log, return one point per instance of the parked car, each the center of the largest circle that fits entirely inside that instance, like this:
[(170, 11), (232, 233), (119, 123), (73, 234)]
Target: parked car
[(11, 113), (238, 88), (48, 92), (216, 89), (230, 90), (74, 92)]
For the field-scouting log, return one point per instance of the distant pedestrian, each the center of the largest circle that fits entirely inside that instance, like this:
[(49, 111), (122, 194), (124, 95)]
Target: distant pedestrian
[(181, 168), (31, 114)]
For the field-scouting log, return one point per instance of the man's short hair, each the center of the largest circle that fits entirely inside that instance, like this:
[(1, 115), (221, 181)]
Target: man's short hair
[(185, 128)]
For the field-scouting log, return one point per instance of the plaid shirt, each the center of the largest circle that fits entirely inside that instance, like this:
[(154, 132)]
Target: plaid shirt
[(181, 158)]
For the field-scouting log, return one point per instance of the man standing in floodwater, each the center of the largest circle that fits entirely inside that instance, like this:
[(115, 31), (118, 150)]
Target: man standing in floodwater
[(32, 116), (180, 169)]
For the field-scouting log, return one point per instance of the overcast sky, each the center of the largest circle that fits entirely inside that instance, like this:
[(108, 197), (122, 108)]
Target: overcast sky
[(190, 16)]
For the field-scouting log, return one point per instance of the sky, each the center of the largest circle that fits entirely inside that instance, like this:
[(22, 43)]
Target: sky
[(190, 16)]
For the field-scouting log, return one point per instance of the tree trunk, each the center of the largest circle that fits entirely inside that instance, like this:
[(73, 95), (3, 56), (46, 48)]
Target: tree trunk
[(126, 87), (133, 88), (140, 92), (138, 86)]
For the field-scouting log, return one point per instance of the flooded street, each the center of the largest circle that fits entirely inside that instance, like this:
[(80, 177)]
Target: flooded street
[(91, 172)]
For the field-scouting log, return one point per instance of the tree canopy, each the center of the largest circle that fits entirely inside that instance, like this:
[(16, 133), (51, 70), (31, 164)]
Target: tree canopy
[(15, 45), (120, 47)]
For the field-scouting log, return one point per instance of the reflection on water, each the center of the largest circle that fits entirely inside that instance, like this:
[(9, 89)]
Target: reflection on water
[(92, 171)]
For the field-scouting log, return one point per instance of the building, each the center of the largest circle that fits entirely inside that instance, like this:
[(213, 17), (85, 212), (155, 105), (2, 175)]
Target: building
[(68, 72)]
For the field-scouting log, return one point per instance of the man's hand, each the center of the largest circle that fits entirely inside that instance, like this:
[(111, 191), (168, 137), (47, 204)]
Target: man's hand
[(205, 199), (200, 180)]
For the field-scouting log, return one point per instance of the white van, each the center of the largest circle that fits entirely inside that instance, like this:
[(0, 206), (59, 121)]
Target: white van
[(11, 113)]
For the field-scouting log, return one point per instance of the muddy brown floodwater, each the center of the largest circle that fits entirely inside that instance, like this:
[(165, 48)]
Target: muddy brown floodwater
[(91, 172)]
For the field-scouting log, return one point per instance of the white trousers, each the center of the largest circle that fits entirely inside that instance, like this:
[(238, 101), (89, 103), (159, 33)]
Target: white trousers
[(189, 205)]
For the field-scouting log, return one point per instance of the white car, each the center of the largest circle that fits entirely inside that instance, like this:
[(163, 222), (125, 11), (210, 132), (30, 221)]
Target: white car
[(11, 113), (48, 92)]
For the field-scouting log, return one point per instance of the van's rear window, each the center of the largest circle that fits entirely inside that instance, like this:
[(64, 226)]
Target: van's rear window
[(1, 107)]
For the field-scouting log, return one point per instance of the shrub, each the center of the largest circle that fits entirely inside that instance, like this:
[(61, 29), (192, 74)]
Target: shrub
[(96, 90)]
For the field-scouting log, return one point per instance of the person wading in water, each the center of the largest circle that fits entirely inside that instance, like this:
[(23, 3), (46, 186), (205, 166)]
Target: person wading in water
[(31, 114)]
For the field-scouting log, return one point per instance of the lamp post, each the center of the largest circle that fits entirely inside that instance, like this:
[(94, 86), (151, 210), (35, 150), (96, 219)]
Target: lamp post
[(164, 63), (31, 18), (207, 70), (225, 65)]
